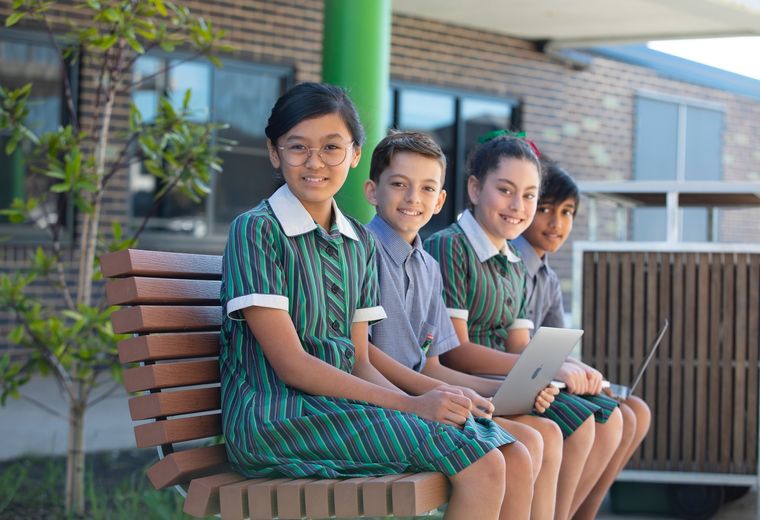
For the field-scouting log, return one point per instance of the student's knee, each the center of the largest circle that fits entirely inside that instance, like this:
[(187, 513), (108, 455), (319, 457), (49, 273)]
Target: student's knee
[(583, 436), (612, 430), (629, 423), (488, 471), (518, 465), (551, 435), (643, 414)]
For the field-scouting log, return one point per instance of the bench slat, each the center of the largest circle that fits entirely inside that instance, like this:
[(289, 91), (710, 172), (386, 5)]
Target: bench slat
[(183, 466), (203, 495), (348, 497), (417, 494), (290, 499), (167, 375), (138, 289), (319, 498), (262, 499), (376, 495), (164, 404), (178, 430), (138, 262), (233, 499), (156, 347), (166, 318)]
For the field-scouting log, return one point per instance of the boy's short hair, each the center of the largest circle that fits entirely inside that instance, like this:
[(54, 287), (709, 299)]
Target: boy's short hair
[(396, 142), (556, 185)]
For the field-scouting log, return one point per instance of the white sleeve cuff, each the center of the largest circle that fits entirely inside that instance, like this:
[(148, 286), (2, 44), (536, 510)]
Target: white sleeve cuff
[(274, 301), (460, 314), (521, 323), (372, 314)]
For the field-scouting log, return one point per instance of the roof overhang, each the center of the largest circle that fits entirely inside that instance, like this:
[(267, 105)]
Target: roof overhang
[(567, 24)]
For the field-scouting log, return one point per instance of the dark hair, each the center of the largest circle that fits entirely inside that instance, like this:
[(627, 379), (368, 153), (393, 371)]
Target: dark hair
[(397, 142), (310, 100), (485, 157), (556, 185)]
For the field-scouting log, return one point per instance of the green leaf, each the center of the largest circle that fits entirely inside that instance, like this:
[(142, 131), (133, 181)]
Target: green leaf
[(14, 18), (136, 46), (112, 15), (61, 187)]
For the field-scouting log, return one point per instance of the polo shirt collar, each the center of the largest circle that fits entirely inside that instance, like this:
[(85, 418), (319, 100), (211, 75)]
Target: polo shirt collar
[(295, 220), (397, 248), (533, 263), (480, 242)]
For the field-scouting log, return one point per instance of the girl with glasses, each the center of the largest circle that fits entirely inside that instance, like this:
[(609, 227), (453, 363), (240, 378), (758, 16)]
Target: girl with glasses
[(299, 287)]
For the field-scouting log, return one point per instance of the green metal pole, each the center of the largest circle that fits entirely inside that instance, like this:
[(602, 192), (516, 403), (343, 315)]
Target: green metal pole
[(356, 56)]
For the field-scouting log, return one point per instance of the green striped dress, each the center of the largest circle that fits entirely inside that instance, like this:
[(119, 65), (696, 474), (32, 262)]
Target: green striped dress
[(276, 256), (486, 287)]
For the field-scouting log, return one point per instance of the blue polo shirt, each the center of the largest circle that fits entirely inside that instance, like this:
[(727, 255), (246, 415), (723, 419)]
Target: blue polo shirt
[(411, 292), (543, 291)]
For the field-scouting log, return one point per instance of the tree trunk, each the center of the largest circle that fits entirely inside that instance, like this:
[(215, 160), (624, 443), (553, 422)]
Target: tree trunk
[(75, 458)]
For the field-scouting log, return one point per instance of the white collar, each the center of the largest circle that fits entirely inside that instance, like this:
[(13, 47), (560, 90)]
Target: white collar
[(295, 220), (480, 242)]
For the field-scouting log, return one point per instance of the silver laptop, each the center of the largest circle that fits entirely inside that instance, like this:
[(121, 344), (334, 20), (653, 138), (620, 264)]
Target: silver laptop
[(622, 392), (534, 370)]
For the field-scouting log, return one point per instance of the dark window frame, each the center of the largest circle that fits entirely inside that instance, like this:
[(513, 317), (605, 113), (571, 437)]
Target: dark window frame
[(458, 198), (216, 237), (28, 234)]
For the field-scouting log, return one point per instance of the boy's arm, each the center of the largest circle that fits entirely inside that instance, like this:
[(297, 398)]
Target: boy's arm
[(476, 359), (400, 375), (483, 386)]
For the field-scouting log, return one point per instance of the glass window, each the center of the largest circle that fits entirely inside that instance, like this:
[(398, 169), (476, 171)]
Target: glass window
[(455, 120), (435, 114), (238, 95), (676, 141), (656, 140), (26, 59)]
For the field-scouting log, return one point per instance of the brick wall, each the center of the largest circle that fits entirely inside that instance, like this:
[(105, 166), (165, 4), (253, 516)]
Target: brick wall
[(583, 118)]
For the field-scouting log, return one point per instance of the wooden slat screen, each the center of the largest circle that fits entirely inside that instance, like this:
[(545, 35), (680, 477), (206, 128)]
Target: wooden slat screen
[(703, 384)]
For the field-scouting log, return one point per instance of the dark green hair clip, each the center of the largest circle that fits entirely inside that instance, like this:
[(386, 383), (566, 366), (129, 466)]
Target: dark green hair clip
[(493, 134)]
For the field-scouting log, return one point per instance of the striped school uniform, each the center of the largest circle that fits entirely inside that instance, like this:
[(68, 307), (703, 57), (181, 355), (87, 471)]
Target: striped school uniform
[(543, 305), (485, 286), (276, 256)]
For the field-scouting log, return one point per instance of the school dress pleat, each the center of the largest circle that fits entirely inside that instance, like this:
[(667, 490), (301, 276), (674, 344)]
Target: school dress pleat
[(489, 294), (325, 281)]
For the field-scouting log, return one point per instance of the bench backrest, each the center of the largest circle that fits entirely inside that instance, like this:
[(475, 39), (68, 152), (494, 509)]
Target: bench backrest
[(172, 307)]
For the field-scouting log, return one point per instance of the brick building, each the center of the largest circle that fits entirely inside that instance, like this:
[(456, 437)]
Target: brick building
[(597, 115)]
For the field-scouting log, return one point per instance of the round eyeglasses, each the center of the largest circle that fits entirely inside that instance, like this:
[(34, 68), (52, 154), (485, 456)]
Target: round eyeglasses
[(331, 154)]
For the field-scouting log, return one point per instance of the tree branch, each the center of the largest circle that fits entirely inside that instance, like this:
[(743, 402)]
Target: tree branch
[(99, 91), (66, 80), (45, 407), (105, 395), (117, 165)]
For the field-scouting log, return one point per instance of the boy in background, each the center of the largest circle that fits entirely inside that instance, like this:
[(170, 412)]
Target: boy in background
[(557, 207)]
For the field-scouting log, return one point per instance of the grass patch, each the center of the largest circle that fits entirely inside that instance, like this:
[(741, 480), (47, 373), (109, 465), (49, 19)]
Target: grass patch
[(116, 488)]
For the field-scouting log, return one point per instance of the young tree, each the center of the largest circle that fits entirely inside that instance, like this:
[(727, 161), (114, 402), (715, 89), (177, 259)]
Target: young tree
[(72, 339)]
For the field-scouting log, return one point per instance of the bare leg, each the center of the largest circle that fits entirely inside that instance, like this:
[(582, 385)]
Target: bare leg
[(518, 493), (606, 442), (643, 420), (636, 421), (545, 487), (575, 452), (528, 437), (478, 487)]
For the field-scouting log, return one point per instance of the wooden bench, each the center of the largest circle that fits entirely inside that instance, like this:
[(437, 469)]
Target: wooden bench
[(171, 305)]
